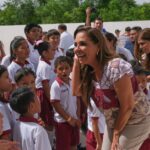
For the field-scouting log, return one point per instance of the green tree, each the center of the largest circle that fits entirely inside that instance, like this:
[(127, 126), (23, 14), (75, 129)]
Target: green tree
[(61, 11), (18, 12)]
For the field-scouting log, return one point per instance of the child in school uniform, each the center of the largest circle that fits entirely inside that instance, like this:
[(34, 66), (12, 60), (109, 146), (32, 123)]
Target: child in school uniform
[(24, 77), (27, 131), (21, 50), (96, 125), (140, 75), (5, 85), (66, 110), (5, 144), (44, 79), (53, 37), (6, 61), (32, 33)]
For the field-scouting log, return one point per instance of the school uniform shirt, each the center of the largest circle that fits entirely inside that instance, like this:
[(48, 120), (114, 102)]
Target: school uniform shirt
[(15, 116), (15, 66), (62, 92), (58, 53), (6, 61), (94, 113), (30, 135), (6, 117), (34, 55), (44, 73)]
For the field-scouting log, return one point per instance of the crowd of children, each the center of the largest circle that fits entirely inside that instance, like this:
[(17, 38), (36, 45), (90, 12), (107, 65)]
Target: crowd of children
[(37, 108)]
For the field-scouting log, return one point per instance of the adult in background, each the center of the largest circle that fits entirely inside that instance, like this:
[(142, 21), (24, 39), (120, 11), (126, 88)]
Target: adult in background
[(32, 32), (132, 37), (117, 32), (142, 48), (66, 39), (102, 76), (123, 38), (111, 42), (142, 53), (98, 22)]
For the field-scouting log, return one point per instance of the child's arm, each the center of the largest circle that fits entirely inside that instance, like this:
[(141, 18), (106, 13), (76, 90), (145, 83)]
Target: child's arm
[(6, 136), (46, 88), (62, 112), (96, 133), (6, 128), (8, 145)]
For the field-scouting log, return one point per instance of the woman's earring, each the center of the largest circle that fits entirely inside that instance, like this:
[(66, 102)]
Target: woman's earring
[(97, 53)]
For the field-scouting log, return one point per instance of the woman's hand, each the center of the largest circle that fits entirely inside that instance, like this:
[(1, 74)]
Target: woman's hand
[(115, 143), (76, 81)]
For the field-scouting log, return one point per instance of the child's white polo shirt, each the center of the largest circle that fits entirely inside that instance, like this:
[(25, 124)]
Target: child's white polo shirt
[(62, 92), (15, 66), (44, 73), (6, 118), (94, 113), (31, 135)]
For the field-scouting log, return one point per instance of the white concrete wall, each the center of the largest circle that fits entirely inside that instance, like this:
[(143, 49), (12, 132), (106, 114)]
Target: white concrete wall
[(8, 32)]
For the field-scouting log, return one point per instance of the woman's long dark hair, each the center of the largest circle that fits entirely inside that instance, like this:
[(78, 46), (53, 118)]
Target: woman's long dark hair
[(103, 56), (143, 35)]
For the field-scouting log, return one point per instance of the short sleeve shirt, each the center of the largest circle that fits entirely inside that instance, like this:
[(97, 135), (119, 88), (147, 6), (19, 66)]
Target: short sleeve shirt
[(14, 67), (94, 112), (44, 73), (62, 92)]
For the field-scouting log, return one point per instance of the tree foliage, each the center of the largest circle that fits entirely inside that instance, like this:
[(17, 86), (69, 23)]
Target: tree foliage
[(60, 11)]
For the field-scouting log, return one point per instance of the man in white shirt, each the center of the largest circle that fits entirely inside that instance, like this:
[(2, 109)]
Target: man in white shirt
[(66, 39)]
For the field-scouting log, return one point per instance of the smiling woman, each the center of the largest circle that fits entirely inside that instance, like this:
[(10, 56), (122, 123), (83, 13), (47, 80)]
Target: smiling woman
[(99, 74), (142, 48)]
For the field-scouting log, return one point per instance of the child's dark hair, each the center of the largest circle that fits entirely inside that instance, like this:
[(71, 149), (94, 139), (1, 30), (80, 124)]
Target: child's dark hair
[(16, 42), (62, 27), (70, 54), (22, 73), (137, 68), (21, 99), (62, 59), (42, 46), (12, 55), (110, 37), (52, 32), (2, 69), (29, 26)]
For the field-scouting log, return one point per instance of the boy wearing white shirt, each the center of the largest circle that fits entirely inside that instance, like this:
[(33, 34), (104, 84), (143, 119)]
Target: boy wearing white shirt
[(27, 131), (66, 107)]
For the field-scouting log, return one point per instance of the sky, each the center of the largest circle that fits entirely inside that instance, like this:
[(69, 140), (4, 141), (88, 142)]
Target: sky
[(142, 1), (138, 1)]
